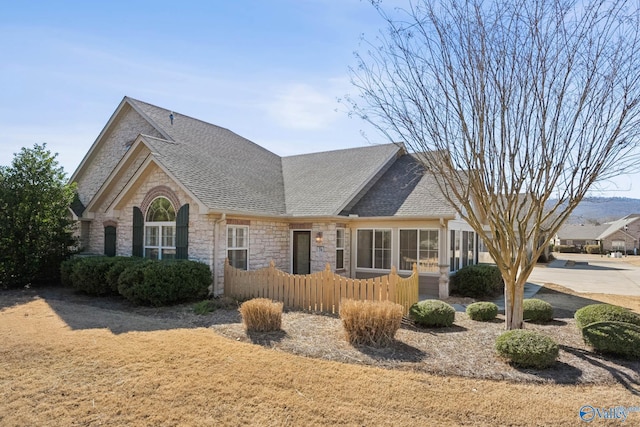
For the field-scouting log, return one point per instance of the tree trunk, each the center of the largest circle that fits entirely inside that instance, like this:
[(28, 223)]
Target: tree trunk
[(513, 296)]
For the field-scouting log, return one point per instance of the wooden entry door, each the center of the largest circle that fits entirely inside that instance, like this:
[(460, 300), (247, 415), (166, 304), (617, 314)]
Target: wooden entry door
[(301, 252)]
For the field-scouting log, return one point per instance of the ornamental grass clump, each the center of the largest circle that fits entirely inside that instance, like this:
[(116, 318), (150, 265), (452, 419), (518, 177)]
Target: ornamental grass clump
[(537, 311), (372, 323), (605, 313), (432, 313), (261, 315), (482, 311), (527, 349)]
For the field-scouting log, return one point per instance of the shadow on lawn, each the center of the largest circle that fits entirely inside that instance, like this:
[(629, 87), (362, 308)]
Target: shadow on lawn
[(397, 351), (628, 381), (564, 305)]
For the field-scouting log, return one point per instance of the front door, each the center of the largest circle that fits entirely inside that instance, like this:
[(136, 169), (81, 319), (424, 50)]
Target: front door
[(301, 252)]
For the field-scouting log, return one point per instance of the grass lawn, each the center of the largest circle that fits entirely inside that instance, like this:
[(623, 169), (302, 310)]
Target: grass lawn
[(58, 369)]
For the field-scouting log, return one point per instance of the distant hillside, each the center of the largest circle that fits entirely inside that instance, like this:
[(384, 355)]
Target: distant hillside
[(603, 209)]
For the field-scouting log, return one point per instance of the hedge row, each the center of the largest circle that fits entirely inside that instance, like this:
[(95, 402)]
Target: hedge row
[(141, 281)]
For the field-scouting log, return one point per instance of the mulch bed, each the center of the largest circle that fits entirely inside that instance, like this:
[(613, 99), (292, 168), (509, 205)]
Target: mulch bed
[(466, 349)]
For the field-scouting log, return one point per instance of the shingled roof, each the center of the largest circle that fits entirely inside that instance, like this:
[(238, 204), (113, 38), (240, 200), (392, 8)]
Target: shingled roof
[(229, 173)]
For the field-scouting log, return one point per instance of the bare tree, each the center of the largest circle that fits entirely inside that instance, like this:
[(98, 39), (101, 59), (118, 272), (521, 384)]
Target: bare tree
[(522, 105)]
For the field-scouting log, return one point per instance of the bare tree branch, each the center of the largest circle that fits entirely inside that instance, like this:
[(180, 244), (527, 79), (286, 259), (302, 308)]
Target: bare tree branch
[(515, 108)]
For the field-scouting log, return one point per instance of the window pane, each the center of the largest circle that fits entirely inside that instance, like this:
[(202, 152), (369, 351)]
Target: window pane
[(408, 248), (340, 238), (161, 209), (382, 249), (365, 240), (168, 254), (241, 238), (465, 244), (151, 236), (230, 237), (428, 251), (168, 236), (238, 258), (151, 253), (339, 258)]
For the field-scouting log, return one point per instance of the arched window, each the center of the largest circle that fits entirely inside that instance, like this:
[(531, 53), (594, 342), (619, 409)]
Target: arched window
[(160, 230)]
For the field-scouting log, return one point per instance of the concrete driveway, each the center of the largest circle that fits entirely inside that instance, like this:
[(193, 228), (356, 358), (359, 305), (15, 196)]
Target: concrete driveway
[(590, 273)]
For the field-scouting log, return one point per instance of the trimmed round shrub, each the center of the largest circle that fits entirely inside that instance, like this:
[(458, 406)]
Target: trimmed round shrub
[(261, 315), (482, 311), (119, 264), (164, 282), (477, 281), (432, 313), (373, 323), (619, 338), (66, 269), (536, 310), (605, 313), (527, 349), (89, 275)]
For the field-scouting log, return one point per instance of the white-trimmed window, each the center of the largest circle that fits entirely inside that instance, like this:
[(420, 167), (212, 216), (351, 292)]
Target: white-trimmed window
[(419, 246), (238, 246), (454, 256), (374, 249), (160, 230), (339, 248)]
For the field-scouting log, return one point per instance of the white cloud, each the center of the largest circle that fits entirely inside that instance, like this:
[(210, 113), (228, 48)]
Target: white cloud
[(301, 106)]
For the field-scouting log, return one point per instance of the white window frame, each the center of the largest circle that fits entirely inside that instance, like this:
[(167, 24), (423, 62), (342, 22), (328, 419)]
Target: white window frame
[(436, 268), (160, 227), (340, 246), (232, 243), (373, 248)]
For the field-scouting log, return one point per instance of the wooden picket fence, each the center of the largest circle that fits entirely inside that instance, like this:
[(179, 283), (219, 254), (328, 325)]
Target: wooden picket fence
[(319, 292)]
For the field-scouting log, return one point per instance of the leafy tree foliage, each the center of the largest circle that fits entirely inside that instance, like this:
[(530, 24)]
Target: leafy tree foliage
[(36, 230)]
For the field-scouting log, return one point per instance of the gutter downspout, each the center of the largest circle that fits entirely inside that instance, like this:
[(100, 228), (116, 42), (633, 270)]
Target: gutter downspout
[(214, 255)]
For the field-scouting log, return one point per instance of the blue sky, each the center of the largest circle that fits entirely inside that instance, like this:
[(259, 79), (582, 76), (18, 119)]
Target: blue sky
[(271, 71)]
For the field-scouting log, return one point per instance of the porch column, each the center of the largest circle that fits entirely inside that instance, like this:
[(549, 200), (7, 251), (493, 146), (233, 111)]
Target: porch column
[(443, 279)]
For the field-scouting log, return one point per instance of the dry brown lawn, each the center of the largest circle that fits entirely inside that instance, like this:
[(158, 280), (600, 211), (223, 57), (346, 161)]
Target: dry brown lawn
[(71, 360)]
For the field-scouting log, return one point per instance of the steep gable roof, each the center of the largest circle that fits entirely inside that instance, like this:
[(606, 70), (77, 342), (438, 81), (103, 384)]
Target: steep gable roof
[(615, 226), (224, 170), (228, 173), (324, 183), (404, 190)]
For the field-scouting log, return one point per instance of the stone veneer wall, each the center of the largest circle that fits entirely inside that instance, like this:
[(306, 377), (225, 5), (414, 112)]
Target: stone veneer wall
[(200, 226), (111, 150)]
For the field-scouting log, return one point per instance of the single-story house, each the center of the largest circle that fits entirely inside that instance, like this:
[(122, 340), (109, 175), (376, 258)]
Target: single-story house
[(621, 235), (159, 184)]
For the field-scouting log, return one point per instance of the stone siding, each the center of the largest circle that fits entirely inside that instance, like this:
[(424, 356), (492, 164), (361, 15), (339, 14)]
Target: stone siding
[(112, 149)]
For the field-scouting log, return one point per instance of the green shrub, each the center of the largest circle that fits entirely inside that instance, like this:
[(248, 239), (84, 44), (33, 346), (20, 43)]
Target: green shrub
[(167, 282), (219, 303), (567, 249), (373, 323), (619, 338), (477, 281), (432, 313), (66, 269), (527, 349), (604, 313), (89, 275), (482, 311), (118, 265), (536, 310), (261, 315)]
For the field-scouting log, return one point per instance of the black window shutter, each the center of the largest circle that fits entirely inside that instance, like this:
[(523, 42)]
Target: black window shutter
[(110, 240), (182, 233), (138, 232)]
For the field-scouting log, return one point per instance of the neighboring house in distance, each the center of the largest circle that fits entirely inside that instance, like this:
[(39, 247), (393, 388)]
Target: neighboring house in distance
[(618, 236), (159, 184)]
